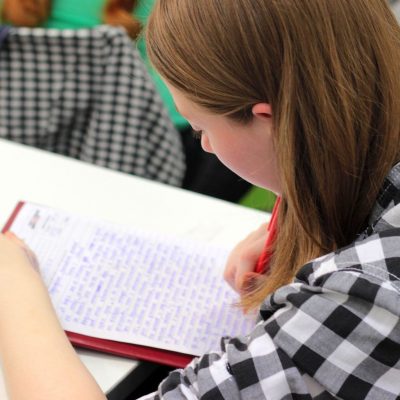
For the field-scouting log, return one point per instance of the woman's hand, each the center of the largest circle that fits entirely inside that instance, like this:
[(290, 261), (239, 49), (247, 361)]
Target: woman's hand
[(31, 335), (21, 245), (16, 257), (244, 257)]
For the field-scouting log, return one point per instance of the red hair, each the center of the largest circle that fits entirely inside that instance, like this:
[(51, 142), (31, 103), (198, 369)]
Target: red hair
[(26, 12), (119, 13), (33, 13)]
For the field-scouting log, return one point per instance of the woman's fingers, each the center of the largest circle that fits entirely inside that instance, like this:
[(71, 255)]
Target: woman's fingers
[(244, 257), (23, 246), (247, 261)]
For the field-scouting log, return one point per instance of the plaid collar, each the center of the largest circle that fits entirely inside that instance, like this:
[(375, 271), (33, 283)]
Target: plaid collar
[(385, 214)]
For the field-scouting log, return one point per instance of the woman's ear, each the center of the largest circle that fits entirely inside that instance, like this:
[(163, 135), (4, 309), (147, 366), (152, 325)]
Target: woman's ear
[(262, 110)]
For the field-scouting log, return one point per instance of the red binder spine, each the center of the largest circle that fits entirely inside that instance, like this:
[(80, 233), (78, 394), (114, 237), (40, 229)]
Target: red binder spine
[(13, 215)]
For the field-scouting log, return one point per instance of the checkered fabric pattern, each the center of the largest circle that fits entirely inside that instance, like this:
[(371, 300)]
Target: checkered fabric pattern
[(86, 94), (334, 333)]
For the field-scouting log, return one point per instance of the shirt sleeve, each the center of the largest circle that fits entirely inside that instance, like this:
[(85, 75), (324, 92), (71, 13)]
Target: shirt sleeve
[(235, 374), (248, 367), (323, 341)]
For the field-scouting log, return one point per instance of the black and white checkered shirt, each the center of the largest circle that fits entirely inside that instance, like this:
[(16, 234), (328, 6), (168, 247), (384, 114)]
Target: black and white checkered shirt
[(334, 333), (86, 94)]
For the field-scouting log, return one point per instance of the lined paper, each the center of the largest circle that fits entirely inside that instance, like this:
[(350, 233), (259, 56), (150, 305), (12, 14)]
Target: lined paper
[(119, 283)]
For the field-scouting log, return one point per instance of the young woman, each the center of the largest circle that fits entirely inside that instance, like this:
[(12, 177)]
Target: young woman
[(300, 97)]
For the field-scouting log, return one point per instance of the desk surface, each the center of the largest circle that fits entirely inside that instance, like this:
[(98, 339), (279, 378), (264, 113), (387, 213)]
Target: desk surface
[(34, 175)]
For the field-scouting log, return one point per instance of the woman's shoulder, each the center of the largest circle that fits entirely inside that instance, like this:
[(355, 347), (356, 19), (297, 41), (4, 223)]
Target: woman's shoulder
[(367, 272), (340, 317), (376, 256), (368, 269)]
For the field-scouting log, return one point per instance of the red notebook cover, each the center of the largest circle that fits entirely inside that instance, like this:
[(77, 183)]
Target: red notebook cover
[(128, 350)]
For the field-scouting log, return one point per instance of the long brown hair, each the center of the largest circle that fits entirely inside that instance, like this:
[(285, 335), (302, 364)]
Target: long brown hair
[(33, 13), (330, 70)]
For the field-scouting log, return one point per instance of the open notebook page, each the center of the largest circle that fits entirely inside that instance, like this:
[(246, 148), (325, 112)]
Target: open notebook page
[(115, 282)]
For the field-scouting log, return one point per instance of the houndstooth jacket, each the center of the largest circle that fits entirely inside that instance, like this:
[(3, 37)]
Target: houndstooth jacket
[(334, 333), (86, 94)]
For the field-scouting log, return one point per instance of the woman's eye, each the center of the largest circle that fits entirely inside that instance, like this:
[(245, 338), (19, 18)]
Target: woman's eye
[(197, 133)]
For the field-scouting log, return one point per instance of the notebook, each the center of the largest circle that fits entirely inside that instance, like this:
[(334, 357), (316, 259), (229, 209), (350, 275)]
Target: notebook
[(131, 292)]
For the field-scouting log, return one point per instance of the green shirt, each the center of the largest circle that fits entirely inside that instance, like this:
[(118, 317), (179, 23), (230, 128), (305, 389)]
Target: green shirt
[(75, 14)]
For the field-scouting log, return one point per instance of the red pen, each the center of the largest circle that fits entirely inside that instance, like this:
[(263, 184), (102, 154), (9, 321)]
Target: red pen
[(263, 261)]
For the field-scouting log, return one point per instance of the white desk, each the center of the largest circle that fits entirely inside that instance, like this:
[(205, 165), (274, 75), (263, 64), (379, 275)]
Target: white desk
[(37, 176)]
